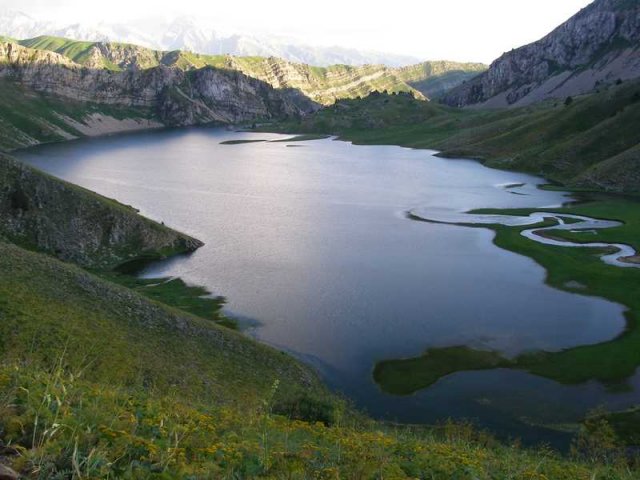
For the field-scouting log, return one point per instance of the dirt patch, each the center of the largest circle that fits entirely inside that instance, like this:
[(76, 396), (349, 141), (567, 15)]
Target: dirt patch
[(98, 124)]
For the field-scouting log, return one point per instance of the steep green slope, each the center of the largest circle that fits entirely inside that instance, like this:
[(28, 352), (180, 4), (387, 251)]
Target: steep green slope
[(28, 118), (97, 382), (79, 52), (54, 311), (589, 142)]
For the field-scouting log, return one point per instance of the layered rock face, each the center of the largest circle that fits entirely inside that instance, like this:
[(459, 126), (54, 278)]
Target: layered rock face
[(434, 79), (323, 85), (76, 225), (178, 97), (599, 45)]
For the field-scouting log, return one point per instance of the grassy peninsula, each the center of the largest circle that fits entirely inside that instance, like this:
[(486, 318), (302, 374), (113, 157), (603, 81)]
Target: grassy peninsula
[(571, 269)]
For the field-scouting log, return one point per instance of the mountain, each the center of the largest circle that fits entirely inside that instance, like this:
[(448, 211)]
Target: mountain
[(321, 84), (599, 45), (58, 89), (85, 101), (188, 33), (20, 25)]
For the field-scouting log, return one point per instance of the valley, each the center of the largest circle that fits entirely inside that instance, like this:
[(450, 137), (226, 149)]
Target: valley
[(228, 256), (309, 196)]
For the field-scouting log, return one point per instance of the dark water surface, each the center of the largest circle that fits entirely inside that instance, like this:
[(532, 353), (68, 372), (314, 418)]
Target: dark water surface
[(313, 244)]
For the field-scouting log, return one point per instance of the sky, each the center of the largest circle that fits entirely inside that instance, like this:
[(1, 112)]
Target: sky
[(464, 30)]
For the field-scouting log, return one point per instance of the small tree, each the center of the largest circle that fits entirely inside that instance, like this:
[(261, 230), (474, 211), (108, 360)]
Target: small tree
[(597, 440), (568, 101)]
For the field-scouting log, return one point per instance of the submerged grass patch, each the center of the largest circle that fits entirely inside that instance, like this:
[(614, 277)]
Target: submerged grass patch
[(302, 138), (192, 299), (403, 377), (240, 142)]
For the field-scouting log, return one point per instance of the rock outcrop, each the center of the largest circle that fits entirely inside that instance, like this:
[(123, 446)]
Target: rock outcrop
[(599, 45), (74, 224), (8, 474)]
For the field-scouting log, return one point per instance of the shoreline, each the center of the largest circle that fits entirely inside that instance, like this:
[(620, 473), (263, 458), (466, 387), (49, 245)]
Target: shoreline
[(354, 144)]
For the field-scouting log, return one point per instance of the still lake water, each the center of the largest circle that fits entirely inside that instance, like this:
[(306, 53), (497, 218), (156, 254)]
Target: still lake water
[(310, 244)]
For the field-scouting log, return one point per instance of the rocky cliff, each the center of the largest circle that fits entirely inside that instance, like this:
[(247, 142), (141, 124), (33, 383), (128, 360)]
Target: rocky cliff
[(599, 45), (74, 224), (177, 96), (425, 80), (57, 89)]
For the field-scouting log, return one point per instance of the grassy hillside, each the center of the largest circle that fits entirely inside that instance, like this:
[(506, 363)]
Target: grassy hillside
[(29, 118), (97, 382), (590, 142)]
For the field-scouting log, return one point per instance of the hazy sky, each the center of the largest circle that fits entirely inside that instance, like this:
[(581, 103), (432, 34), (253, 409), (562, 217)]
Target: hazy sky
[(478, 30)]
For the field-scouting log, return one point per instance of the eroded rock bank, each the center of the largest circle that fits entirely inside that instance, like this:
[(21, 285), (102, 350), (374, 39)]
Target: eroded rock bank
[(74, 224)]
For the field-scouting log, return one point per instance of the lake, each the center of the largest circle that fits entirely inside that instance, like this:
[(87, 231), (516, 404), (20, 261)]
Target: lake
[(310, 244)]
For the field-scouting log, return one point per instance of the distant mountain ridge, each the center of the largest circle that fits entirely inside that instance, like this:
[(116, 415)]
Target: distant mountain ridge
[(48, 97), (323, 85), (599, 45), (57, 89), (187, 33)]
